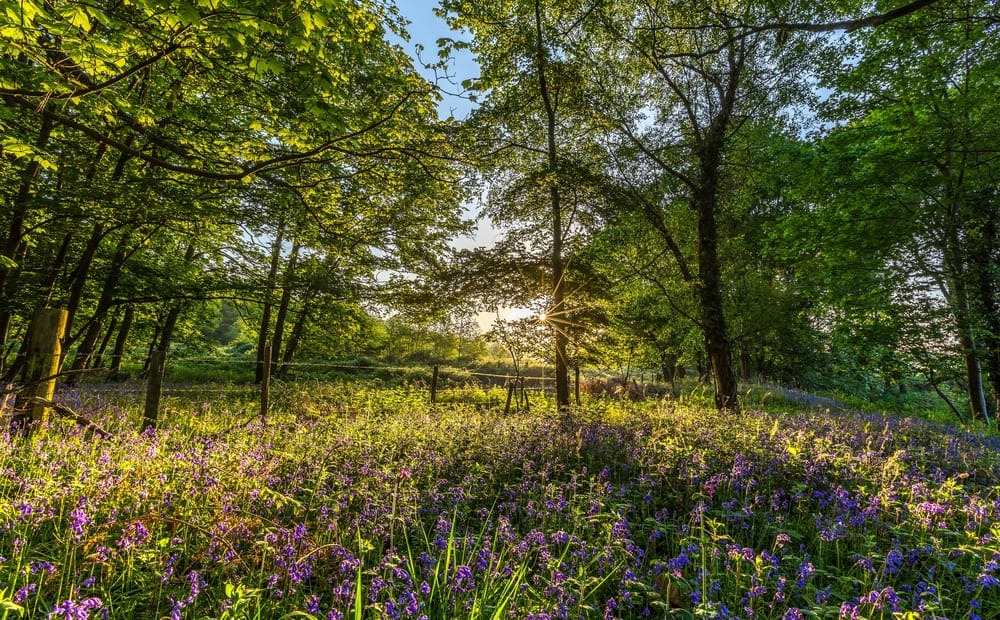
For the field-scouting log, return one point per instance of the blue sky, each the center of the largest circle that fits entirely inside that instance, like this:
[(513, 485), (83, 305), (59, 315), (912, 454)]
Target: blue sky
[(425, 29)]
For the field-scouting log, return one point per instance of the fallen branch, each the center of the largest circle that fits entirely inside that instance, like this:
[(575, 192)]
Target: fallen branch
[(66, 412), (944, 397)]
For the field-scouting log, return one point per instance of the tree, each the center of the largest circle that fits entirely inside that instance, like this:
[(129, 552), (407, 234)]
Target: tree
[(169, 106), (922, 142), (530, 130), (683, 84)]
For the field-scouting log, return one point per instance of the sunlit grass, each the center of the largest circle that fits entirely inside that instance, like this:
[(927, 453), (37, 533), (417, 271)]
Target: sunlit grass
[(354, 501)]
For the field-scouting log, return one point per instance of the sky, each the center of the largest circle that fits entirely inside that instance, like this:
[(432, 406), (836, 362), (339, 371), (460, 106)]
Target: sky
[(425, 29)]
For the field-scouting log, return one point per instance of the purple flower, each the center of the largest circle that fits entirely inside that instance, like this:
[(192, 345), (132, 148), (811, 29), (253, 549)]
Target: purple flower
[(78, 521), (986, 580), (22, 594), (464, 581), (133, 535), (609, 608), (806, 569), (893, 561), (73, 610)]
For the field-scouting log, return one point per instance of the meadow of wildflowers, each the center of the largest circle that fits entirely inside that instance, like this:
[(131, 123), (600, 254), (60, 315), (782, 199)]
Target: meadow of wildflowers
[(356, 502)]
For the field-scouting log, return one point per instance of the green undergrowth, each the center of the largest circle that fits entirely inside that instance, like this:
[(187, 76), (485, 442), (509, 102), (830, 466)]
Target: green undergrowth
[(360, 501)]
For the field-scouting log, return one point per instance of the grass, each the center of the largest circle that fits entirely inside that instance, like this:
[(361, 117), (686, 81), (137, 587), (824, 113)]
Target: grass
[(356, 501)]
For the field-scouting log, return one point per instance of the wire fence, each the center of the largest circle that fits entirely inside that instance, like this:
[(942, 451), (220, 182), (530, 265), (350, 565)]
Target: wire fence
[(442, 383), (354, 367)]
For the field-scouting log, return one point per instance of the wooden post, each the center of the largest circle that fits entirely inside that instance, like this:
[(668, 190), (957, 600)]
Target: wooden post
[(154, 386), (510, 395), (42, 360), (265, 383), (434, 386), (576, 383)]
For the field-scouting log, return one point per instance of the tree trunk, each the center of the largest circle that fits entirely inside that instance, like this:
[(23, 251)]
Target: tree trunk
[(79, 279), (87, 345), (265, 320), (150, 351), (713, 320), (154, 387), (170, 324), (558, 311), (15, 369), (970, 355), (110, 331), (286, 300), (986, 271), (56, 267), (43, 356), (296, 336), (717, 344), (120, 340), (958, 299), (974, 373)]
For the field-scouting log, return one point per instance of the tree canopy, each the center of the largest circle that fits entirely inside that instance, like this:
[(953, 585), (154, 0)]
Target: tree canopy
[(758, 191)]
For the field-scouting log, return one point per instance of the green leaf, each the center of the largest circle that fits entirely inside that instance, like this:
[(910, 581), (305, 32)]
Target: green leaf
[(11, 606), (80, 19), (15, 149)]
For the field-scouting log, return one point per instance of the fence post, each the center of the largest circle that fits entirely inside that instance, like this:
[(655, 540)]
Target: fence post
[(434, 386), (576, 384), (265, 383), (510, 395), (42, 359), (154, 387)]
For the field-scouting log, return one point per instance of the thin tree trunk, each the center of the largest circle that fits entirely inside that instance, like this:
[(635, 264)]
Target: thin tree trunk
[(87, 345), (954, 266), (973, 369), (296, 336), (79, 279), (19, 360), (149, 351), (558, 311), (57, 264), (265, 320), (110, 331), (170, 324), (986, 270), (120, 340), (286, 300)]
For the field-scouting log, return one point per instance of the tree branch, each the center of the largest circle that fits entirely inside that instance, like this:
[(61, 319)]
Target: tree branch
[(849, 25), (274, 163)]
